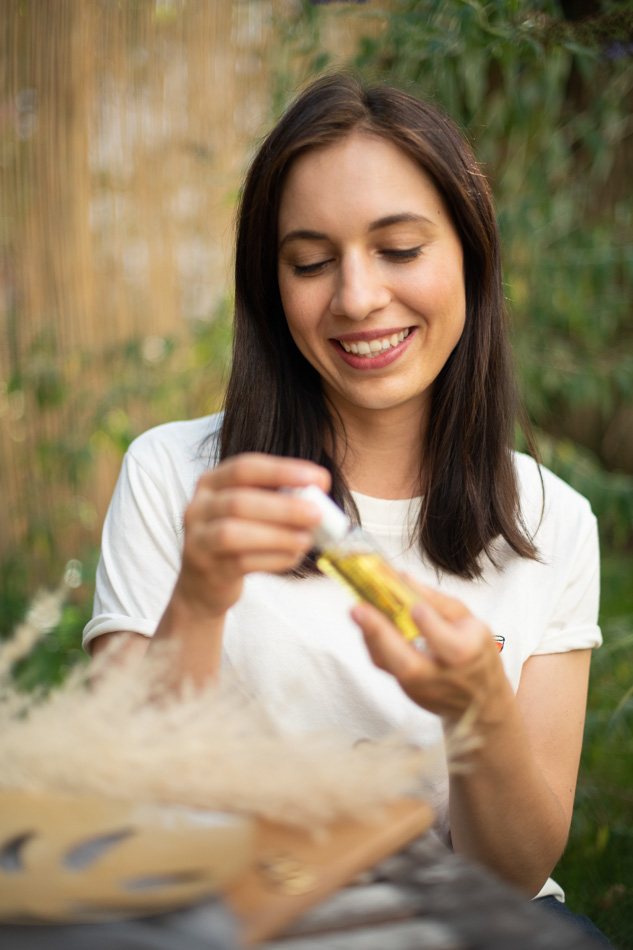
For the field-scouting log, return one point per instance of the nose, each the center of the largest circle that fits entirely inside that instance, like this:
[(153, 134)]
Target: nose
[(359, 289)]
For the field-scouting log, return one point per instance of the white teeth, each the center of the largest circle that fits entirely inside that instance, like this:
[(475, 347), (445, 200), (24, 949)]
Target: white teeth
[(371, 348)]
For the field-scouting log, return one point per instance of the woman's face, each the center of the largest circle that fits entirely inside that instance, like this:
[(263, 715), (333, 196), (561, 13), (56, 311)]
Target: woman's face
[(370, 271)]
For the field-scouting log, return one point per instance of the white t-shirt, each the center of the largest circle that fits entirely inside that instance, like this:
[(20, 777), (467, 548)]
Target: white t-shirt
[(292, 641)]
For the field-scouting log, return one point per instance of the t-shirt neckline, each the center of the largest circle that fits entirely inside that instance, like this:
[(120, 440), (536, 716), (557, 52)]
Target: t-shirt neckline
[(383, 515)]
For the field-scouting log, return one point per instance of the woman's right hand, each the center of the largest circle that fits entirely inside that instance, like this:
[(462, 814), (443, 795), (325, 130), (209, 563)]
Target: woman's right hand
[(238, 522)]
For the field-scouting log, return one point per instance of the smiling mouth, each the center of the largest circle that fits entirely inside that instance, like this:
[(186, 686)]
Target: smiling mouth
[(370, 349)]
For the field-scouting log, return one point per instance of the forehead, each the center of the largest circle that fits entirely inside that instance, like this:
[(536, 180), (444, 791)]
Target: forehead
[(363, 175)]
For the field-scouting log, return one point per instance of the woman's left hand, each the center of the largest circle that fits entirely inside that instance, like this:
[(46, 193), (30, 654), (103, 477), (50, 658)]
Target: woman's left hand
[(460, 668)]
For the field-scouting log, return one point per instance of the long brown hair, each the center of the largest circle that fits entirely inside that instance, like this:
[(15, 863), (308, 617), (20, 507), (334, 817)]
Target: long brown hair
[(274, 401)]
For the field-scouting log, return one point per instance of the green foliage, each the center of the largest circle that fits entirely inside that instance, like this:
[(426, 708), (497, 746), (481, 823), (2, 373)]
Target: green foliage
[(53, 621), (14, 591), (59, 650), (44, 373), (610, 493), (597, 867)]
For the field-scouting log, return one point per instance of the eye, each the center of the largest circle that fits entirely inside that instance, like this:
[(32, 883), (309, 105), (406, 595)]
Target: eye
[(307, 270), (406, 254)]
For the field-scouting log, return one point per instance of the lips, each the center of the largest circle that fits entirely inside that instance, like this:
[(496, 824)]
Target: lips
[(371, 349)]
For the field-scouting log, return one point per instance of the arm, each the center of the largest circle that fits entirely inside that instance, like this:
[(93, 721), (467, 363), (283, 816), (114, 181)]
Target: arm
[(120, 646), (511, 809)]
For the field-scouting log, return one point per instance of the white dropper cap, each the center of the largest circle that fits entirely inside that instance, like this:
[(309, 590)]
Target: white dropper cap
[(334, 523)]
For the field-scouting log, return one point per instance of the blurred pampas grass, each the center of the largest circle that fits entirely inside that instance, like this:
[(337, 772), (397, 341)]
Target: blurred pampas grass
[(116, 731)]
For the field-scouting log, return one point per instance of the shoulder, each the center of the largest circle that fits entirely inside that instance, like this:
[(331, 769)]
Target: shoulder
[(544, 496), (172, 457), (186, 442), (538, 484)]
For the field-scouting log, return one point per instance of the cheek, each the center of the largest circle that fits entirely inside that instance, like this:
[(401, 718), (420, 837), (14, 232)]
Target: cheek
[(443, 294), (301, 306), (295, 303), (453, 293), (287, 292)]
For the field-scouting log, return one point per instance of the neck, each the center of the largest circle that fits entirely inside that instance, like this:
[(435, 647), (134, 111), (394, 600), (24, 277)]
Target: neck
[(382, 452)]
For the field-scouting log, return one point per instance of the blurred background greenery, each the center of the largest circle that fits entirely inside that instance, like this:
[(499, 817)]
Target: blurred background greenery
[(124, 130)]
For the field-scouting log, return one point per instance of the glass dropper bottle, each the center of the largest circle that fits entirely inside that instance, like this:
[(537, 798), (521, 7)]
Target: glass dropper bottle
[(351, 556)]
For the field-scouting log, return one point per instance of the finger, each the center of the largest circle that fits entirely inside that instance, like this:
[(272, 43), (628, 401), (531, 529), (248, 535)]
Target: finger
[(386, 646), (233, 536), (267, 471), (453, 643), (448, 607), (261, 562), (256, 505)]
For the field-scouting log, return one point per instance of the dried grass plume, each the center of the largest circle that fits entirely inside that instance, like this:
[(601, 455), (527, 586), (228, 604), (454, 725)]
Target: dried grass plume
[(124, 737)]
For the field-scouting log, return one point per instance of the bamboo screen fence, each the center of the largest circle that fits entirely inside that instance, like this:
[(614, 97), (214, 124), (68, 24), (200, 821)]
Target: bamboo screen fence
[(124, 129)]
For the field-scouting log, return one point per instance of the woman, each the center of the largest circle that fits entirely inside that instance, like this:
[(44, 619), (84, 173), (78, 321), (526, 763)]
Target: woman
[(370, 358)]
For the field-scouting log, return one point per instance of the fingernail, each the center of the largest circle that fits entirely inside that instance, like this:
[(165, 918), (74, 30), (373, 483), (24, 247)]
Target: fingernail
[(419, 612), (358, 613)]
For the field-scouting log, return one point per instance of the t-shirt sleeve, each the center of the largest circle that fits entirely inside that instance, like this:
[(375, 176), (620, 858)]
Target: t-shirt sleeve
[(140, 554), (573, 623)]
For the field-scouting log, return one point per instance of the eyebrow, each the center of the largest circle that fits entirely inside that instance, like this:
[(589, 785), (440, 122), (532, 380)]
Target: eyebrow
[(406, 217)]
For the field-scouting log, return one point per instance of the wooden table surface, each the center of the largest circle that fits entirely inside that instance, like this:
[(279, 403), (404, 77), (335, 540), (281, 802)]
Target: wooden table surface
[(427, 897), (422, 898)]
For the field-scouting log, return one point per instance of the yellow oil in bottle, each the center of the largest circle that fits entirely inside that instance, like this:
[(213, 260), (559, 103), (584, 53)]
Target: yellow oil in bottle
[(369, 577)]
